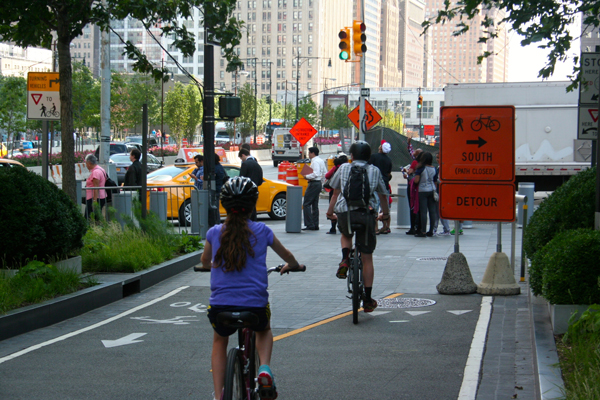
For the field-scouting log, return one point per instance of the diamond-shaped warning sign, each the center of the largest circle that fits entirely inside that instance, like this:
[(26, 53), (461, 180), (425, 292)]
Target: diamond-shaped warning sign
[(372, 117), (303, 131), (36, 97)]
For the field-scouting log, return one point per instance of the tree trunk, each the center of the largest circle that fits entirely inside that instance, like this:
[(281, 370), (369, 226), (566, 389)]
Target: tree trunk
[(66, 117)]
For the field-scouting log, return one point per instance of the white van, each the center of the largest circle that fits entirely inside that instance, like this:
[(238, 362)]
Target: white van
[(285, 147)]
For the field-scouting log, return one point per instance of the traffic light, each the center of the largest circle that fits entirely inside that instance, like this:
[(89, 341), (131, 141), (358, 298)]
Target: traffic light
[(344, 36), (359, 38), (420, 102)]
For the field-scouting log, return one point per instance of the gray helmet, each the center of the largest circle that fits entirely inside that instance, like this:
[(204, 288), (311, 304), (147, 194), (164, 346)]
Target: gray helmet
[(239, 193), (360, 150)]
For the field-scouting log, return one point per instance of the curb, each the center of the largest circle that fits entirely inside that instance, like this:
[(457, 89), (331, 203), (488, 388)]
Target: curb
[(50, 312)]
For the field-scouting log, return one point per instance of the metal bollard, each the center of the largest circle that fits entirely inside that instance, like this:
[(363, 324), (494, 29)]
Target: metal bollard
[(200, 206), (403, 217), (158, 204), (526, 189), (79, 193), (122, 202), (293, 219)]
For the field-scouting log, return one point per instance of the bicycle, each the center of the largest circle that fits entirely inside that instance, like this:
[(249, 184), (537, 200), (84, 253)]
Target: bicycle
[(491, 124), (355, 276), (243, 361)]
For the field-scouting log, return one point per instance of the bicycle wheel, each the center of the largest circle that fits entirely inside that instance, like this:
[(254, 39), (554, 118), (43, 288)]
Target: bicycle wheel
[(476, 125), (494, 125), (355, 288), (253, 361), (234, 380)]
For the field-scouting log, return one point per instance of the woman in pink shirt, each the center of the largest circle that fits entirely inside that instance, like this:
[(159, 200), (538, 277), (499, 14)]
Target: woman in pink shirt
[(97, 178)]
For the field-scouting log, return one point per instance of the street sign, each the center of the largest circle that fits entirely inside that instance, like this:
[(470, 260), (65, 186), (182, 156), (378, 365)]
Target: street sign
[(429, 130), (587, 126), (303, 131), (590, 82), (371, 115), (477, 201), (477, 143), (365, 92), (43, 97)]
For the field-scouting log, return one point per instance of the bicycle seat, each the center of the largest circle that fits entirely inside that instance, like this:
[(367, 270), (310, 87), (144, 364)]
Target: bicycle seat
[(237, 319)]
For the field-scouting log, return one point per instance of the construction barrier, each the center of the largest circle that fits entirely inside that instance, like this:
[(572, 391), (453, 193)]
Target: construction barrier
[(282, 170), (330, 161), (292, 176)]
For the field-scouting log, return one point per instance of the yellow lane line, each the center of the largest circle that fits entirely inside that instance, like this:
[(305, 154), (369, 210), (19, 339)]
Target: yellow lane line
[(325, 321)]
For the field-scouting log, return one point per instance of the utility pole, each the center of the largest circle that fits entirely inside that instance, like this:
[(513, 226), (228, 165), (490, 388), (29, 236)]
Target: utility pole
[(208, 130), (420, 110), (104, 153)]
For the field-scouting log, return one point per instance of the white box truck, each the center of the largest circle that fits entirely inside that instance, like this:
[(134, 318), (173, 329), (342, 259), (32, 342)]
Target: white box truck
[(547, 151)]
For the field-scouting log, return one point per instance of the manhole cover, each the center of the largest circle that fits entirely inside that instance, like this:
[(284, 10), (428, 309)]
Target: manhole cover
[(432, 259), (406, 302)]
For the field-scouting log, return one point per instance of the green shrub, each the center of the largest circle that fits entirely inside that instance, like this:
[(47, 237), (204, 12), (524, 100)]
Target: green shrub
[(587, 327), (39, 221), (566, 270), (571, 206)]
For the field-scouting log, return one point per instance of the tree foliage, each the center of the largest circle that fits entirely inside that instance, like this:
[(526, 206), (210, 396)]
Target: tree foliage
[(245, 123), (29, 23), (86, 98), (543, 22), (13, 105), (183, 111)]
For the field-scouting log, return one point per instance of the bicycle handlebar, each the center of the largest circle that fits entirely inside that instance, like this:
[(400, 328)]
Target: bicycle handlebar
[(301, 268)]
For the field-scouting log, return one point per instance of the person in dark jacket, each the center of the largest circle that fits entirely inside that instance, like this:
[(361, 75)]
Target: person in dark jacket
[(133, 176), (251, 169)]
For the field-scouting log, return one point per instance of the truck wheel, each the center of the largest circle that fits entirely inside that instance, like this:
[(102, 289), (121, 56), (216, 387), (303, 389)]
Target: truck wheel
[(275, 163), (279, 207)]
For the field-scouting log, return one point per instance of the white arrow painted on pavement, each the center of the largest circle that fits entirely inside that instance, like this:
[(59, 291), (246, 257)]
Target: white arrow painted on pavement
[(129, 339), (376, 313), (415, 313), (459, 312), (393, 322)]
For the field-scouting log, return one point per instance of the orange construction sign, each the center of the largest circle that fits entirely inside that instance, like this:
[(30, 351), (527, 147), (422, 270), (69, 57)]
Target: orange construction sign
[(303, 131), (372, 117), (477, 202), (477, 143)]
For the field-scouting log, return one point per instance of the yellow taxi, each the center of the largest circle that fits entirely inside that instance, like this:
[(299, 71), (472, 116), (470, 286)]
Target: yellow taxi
[(7, 163), (176, 181)]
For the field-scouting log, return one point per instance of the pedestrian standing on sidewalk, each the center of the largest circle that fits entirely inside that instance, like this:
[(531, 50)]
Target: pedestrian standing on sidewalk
[(412, 189), (382, 161), (444, 222), (311, 196), (424, 178), (341, 159)]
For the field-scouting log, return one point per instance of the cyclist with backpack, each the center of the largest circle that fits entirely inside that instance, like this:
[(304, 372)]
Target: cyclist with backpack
[(236, 253), (359, 183)]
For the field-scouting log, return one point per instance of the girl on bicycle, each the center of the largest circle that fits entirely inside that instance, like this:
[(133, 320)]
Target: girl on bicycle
[(236, 252)]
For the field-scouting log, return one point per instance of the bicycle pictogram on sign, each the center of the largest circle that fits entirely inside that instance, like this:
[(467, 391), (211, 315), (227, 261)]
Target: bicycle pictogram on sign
[(487, 122)]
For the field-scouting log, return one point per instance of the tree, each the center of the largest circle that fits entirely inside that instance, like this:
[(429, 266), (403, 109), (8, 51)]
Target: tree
[(328, 117), (341, 117), (119, 100), (308, 110), (29, 23), (544, 22), (194, 112), (245, 123), (13, 105), (176, 111), (142, 89), (86, 98)]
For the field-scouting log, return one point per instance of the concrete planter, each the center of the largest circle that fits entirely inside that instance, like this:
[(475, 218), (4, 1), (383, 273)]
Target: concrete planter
[(561, 313), (73, 264)]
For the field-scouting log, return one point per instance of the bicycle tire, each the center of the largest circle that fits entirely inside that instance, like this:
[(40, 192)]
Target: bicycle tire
[(234, 379), (355, 288), (494, 125), (254, 363), (476, 123)]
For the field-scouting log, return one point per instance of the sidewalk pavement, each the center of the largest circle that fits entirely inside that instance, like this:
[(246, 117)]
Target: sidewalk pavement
[(520, 355)]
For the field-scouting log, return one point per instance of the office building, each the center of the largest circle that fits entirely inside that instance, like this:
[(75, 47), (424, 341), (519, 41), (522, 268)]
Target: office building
[(17, 61)]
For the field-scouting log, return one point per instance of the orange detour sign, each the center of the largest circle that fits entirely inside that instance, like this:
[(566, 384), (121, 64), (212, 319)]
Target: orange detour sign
[(303, 131), (478, 202), (372, 117), (477, 143)]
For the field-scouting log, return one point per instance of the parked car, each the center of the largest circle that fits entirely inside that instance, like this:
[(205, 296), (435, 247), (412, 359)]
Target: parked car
[(123, 162), (271, 198), (116, 148), (6, 163), (138, 139)]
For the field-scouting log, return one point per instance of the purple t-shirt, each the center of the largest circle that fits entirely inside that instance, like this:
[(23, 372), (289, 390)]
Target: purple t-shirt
[(248, 287)]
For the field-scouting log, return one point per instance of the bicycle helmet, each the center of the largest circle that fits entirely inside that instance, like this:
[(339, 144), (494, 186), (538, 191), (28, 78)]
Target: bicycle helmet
[(239, 194), (360, 150)]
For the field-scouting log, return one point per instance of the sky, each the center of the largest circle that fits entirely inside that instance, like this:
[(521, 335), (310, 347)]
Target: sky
[(525, 62)]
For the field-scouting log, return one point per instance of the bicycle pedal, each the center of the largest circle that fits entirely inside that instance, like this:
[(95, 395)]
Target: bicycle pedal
[(267, 392)]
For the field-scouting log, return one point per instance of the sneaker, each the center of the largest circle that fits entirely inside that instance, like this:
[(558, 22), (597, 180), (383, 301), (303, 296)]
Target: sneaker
[(343, 269), (445, 233), (266, 383), (460, 232), (369, 305)]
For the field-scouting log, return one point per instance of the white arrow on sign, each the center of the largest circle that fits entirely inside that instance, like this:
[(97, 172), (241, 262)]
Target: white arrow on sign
[(129, 339)]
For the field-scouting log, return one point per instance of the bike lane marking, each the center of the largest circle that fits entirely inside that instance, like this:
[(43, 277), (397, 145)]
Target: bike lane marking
[(470, 383), (91, 327)]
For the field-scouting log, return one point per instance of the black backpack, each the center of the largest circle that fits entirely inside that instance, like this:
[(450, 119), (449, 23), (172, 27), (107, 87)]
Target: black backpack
[(357, 190), (109, 192)]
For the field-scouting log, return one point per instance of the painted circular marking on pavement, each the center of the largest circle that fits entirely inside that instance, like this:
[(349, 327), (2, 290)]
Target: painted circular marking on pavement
[(432, 258), (407, 302)]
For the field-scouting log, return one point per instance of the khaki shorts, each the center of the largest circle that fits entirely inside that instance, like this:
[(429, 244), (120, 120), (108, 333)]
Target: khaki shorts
[(365, 236)]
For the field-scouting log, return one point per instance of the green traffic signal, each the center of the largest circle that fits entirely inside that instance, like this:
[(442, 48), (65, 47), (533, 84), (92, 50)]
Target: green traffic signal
[(344, 55)]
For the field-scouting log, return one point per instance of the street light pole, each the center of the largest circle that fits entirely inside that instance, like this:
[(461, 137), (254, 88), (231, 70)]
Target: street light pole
[(298, 76), (255, 98)]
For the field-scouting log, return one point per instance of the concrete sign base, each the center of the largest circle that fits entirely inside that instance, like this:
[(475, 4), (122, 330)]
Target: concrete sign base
[(457, 278), (498, 279)]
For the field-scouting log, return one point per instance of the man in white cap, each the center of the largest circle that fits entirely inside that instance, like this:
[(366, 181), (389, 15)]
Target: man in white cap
[(382, 161)]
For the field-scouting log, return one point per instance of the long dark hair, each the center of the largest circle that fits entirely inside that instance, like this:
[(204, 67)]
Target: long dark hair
[(235, 242)]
